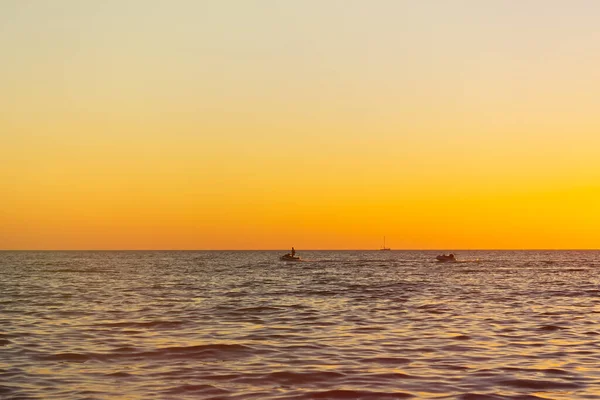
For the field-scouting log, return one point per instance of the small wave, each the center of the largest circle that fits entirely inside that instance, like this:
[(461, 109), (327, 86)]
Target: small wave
[(540, 384), (5, 390), (322, 293), (461, 337), (552, 313), (131, 332), (429, 306), (119, 375), (148, 324), (550, 328), (297, 307), (478, 396), (79, 271), (288, 377), (392, 376), (258, 309), (126, 349), (201, 351), (4, 342), (196, 389), (386, 360), (211, 351), (354, 395), (457, 348), (236, 294), (224, 377), (368, 329), (452, 367), (204, 347), (434, 308), (300, 347), (70, 357), (366, 261), (554, 371)]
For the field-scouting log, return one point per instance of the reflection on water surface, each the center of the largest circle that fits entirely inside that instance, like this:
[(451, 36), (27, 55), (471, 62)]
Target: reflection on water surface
[(347, 325)]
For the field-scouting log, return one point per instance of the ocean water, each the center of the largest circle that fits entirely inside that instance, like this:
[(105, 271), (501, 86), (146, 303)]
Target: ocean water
[(340, 325)]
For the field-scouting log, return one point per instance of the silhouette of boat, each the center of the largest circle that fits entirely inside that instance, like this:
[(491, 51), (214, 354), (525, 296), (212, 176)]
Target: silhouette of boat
[(446, 258), (290, 256), (384, 248)]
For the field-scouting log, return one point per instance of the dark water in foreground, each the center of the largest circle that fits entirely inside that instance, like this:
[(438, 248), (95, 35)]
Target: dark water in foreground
[(342, 325)]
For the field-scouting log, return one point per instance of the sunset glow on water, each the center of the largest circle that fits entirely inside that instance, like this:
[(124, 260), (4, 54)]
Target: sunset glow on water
[(340, 325)]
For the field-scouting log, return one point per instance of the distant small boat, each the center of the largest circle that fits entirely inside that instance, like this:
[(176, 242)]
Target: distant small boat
[(384, 248), (290, 256), (446, 258)]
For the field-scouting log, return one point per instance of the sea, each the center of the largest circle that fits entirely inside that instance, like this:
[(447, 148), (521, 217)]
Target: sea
[(338, 325)]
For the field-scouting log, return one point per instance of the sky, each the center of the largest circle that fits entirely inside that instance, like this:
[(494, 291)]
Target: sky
[(184, 124)]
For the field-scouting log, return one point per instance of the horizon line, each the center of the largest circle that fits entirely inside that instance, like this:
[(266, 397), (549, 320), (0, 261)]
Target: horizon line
[(432, 249)]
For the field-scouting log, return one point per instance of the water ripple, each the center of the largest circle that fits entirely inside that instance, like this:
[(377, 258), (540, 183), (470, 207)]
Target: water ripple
[(342, 325)]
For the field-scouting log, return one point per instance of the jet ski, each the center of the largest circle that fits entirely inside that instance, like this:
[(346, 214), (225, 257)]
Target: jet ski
[(446, 258), (289, 257)]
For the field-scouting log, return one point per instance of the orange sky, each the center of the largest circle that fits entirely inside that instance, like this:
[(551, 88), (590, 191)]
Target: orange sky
[(322, 125)]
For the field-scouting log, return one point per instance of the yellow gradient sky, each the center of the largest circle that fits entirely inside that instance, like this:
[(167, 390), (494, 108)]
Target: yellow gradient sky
[(147, 124)]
